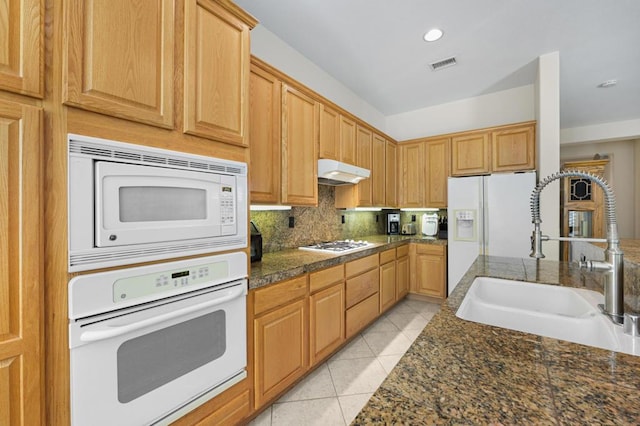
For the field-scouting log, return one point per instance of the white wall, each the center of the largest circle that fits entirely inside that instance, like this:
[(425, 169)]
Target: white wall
[(271, 49), (548, 144), (629, 129), (622, 171), (504, 107)]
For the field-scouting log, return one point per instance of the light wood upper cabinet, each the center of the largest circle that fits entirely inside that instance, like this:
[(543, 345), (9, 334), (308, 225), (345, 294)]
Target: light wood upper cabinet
[(22, 47), (391, 175), (364, 144), (299, 144), (21, 265), (347, 140), (470, 154), (378, 170), (329, 133), (513, 149), (119, 58), (216, 72), (412, 163), (437, 172), (264, 133)]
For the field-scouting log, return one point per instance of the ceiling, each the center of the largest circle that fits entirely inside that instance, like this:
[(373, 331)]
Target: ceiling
[(375, 48)]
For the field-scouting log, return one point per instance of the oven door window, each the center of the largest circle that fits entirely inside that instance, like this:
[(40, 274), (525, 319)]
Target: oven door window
[(152, 360)]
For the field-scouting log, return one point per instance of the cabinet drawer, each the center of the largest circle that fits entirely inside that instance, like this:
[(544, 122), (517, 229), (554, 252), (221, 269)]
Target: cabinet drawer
[(231, 412), (279, 294), (430, 249), (323, 279), (362, 286), (359, 266), (362, 314), (402, 251), (387, 256)]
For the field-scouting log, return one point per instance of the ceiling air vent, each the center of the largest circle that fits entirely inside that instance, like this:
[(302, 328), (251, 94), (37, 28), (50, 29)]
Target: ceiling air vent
[(444, 63)]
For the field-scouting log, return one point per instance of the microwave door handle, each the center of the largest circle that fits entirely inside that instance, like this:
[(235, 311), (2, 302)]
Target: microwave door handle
[(109, 332)]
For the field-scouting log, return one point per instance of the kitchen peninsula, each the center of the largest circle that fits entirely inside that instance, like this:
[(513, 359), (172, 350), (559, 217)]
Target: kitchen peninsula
[(463, 372)]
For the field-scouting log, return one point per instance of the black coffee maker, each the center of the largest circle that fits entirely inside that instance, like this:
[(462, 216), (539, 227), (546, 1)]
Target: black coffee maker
[(393, 223)]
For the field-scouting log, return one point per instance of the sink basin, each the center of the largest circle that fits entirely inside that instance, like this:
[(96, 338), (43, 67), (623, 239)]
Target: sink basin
[(563, 313)]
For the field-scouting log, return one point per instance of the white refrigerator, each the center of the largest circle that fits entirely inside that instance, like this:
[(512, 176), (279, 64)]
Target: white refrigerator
[(487, 215)]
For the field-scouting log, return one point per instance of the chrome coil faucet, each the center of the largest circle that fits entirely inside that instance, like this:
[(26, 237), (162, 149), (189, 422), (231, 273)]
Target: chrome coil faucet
[(612, 266)]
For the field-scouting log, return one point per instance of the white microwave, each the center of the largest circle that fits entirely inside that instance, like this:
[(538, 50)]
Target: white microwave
[(131, 203)]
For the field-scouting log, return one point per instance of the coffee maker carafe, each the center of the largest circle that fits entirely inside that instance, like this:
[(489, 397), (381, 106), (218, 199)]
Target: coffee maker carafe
[(393, 223)]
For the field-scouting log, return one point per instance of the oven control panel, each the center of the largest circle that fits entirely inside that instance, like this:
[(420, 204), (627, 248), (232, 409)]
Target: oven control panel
[(168, 281)]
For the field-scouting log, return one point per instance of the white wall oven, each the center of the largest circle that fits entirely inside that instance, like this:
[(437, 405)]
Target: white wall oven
[(150, 343), (131, 203)]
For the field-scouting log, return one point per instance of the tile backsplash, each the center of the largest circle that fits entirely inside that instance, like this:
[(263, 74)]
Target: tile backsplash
[(322, 223)]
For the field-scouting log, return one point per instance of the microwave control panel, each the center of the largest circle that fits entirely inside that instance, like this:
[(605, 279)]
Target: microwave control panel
[(227, 207), (129, 288)]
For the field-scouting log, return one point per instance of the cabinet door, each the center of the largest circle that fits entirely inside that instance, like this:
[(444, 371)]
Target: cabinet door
[(119, 58), (216, 73), (22, 47), (329, 133), (21, 356), (430, 274), (299, 144), (326, 321), (364, 143), (402, 277), (413, 174), (264, 133), (280, 350), (387, 285), (347, 140), (438, 158), (391, 175), (470, 154), (514, 149), (378, 170)]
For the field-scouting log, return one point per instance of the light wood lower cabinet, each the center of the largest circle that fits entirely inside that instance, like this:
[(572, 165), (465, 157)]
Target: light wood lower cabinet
[(362, 293), (326, 312), (280, 338), (388, 279), (429, 270), (402, 271)]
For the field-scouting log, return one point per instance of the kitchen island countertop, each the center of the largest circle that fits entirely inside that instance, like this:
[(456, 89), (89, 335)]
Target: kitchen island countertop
[(285, 264), (460, 372)]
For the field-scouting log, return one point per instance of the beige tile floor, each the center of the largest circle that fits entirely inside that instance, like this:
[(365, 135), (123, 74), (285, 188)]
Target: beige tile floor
[(336, 391)]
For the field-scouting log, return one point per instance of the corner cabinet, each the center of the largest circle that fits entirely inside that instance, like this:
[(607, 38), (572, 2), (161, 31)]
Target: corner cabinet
[(378, 170), (412, 178), (216, 71), (299, 148), (130, 72), (21, 265), (22, 47)]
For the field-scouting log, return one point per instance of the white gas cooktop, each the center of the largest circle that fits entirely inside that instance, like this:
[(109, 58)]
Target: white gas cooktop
[(338, 247)]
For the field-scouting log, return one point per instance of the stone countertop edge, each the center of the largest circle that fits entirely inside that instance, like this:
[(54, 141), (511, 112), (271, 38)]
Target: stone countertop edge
[(461, 372), (286, 264)]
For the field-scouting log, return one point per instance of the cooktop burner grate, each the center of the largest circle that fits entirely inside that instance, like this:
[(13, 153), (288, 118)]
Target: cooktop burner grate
[(337, 246)]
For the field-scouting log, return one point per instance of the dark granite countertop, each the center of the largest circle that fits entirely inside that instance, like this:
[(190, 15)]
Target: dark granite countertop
[(460, 372), (291, 263)]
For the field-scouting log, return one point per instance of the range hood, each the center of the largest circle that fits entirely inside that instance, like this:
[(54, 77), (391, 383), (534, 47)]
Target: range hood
[(335, 173)]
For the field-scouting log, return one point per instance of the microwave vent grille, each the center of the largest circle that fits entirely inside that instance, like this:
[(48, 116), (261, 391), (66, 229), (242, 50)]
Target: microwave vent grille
[(154, 159), (104, 151), (176, 162), (111, 257)]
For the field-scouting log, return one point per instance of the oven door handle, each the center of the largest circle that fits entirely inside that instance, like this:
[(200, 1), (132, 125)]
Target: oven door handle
[(109, 332)]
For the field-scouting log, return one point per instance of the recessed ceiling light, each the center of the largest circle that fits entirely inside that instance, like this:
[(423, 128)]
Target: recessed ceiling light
[(608, 83), (433, 35)]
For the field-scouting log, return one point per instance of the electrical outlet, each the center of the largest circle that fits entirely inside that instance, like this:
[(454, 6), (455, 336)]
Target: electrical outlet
[(342, 219), (377, 218), (292, 221), (413, 218)]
